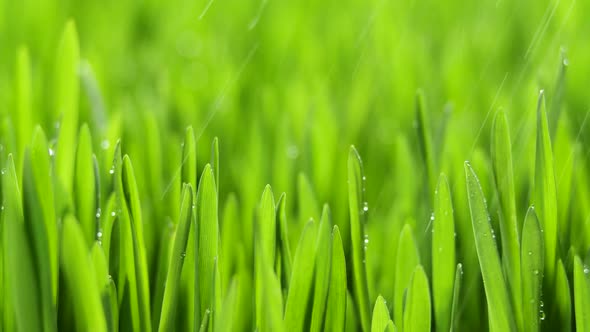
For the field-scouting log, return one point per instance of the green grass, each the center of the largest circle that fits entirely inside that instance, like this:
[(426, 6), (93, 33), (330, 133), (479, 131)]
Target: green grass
[(294, 165)]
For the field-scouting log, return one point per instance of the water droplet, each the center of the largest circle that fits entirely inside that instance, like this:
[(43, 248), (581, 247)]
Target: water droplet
[(99, 235), (365, 207), (113, 213), (541, 304), (530, 253), (51, 152), (542, 315), (364, 178), (98, 213), (183, 254), (112, 170), (366, 239), (3, 171), (586, 270), (105, 144), (536, 272), (2, 207), (455, 234)]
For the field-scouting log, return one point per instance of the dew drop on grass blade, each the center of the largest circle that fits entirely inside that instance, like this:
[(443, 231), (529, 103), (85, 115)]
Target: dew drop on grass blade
[(406, 261), (443, 255), (301, 279), (380, 315), (176, 261), (77, 266), (22, 283), (417, 307), (545, 193), (501, 149), (532, 270), (581, 295), (66, 103), (356, 183), (336, 303), (322, 270), (499, 307)]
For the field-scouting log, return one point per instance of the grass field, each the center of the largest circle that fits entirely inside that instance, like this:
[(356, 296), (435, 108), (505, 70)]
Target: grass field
[(302, 165)]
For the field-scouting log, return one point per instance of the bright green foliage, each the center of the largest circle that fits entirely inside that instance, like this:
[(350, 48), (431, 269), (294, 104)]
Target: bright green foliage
[(136, 138)]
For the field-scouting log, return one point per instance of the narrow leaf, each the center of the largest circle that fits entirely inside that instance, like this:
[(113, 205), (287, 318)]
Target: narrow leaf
[(532, 270)]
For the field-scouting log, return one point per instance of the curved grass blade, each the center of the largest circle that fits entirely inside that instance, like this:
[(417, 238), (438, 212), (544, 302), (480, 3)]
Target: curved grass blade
[(406, 261), (455, 319), (563, 301), (443, 255), (336, 302), (504, 179), (322, 270), (380, 316), (581, 296), (208, 244), (417, 307), (137, 264), (77, 267), (545, 193), (176, 261), (356, 203), (66, 103), (23, 116), (21, 284), (301, 279), (499, 307), (85, 187), (230, 237), (532, 270)]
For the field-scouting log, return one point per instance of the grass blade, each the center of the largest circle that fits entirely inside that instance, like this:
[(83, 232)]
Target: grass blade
[(581, 296), (424, 138), (532, 270), (417, 306), (66, 103), (563, 301), (23, 116), (265, 244), (455, 319), (545, 193), (504, 179), (301, 279), (322, 270), (336, 303), (499, 307), (77, 267), (356, 203), (443, 255), (406, 261), (208, 244), (176, 261), (380, 315), (22, 285), (85, 187), (286, 260)]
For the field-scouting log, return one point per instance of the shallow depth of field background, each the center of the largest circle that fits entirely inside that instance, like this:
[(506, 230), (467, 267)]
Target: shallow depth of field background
[(288, 86)]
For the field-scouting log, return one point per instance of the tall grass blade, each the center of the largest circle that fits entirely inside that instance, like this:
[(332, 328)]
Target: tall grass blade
[(532, 271)]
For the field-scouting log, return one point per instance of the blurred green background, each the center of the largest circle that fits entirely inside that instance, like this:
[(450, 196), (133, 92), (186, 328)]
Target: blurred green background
[(288, 86)]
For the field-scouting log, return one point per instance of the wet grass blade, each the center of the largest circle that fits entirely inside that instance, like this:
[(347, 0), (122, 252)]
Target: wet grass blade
[(501, 149), (581, 295), (406, 261), (22, 285), (443, 255), (176, 261), (85, 187), (532, 271), (322, 270), (499, 307), (417, 307), (77, 266), (336, 302), (380, 315), (455, 319), (66, 103), (208, 244), (296, 308), (545, 192), (356, 203)]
